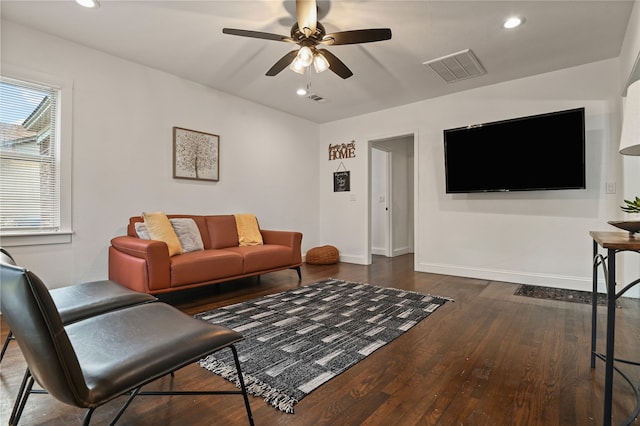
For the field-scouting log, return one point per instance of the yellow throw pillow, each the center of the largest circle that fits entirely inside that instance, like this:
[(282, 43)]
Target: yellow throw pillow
[(248, 230), (160, 229)]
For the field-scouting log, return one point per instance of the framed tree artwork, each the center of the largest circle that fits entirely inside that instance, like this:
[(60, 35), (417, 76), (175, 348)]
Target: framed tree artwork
[(196, 155)]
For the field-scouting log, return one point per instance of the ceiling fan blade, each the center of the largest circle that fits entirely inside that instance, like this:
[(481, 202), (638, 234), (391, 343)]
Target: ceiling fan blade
[(357, 36), (307, 15), (335, 64), (257, 34), (282, 63)]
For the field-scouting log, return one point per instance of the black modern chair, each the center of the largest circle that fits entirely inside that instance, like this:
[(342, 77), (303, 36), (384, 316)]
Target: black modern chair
[(80, 301), (74, 303), (92, 361)]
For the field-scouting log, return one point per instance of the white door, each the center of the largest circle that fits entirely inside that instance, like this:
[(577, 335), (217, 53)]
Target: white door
[(391, 196)]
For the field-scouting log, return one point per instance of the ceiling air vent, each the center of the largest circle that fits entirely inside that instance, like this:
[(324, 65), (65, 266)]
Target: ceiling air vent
[(457, 66), (316, 98)]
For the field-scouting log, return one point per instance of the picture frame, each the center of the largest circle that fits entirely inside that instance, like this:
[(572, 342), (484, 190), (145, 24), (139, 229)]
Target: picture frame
[(196, 155), (342, 181)]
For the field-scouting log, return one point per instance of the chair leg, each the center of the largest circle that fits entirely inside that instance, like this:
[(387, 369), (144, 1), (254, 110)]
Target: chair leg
[(6, 343), (28, 382), (21, 398), (126, 404), (245, 395), (87, 417)]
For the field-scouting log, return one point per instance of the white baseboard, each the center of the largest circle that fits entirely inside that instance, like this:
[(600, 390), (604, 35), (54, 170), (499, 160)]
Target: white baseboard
[(402, 251), (546, 280), (396, 252), (358, 260)]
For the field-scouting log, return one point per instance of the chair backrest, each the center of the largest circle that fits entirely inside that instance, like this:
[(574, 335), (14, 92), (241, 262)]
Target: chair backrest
[(35, 322), (5, 257)]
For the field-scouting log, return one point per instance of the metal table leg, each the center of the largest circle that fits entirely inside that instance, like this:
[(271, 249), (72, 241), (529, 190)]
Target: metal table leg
[(594, 303), (613, 243), (611, 329)]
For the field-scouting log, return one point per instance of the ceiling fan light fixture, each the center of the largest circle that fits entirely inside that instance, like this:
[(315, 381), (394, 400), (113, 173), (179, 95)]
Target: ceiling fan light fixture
[(305, 56), (297, 66), (320, 63)]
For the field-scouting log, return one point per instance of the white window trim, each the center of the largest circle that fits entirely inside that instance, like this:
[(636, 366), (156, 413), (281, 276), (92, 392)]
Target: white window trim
[(65, 138)]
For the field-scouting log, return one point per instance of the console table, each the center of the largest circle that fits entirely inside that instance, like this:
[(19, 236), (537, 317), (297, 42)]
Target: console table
[(613, 243)]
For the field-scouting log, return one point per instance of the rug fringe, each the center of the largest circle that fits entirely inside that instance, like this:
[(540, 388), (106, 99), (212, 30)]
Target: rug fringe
[(272, 396)]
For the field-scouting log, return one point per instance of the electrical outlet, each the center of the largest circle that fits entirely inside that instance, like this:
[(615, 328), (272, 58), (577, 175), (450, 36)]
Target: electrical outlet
[(611, 188)]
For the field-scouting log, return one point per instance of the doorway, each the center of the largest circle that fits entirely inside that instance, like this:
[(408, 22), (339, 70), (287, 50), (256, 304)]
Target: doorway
[(391, 196)]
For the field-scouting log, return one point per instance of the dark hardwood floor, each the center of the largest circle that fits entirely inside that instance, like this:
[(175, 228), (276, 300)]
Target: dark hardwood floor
[(489, 358)]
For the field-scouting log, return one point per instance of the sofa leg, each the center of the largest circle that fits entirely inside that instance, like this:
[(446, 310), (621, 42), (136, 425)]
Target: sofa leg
[(297, 268)]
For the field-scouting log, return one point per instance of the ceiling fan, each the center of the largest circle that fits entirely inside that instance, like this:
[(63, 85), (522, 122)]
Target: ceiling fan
[(309, 34)]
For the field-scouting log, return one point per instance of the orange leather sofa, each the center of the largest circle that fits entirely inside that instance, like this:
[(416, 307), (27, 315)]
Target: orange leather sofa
[(145, 265)]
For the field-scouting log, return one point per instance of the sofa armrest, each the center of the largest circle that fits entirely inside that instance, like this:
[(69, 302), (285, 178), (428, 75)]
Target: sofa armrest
[(143, 265), (285, 238)]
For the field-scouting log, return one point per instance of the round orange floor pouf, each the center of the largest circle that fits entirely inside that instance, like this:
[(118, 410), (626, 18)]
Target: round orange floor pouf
[(325, 255)]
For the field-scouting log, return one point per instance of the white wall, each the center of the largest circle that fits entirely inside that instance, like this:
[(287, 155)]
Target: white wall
[(630, 57), (531, 237), (123, 115), (631, 43)]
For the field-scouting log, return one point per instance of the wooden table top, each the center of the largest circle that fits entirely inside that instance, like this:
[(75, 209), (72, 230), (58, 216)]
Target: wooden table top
[(616, 240)]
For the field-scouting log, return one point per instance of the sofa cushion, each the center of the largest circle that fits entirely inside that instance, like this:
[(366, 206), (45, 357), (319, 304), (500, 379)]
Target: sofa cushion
[(222, 231), (188, 234), (186, 230), (160, 229), (203, 266), (266, 257), (141, 230)]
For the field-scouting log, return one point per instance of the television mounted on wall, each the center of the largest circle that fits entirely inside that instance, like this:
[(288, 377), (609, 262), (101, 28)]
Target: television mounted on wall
[(533, 153)]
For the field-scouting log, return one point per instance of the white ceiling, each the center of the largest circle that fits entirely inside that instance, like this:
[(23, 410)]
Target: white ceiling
[(185, 38)]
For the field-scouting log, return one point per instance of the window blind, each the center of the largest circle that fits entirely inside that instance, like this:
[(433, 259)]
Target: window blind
[(29, 164)]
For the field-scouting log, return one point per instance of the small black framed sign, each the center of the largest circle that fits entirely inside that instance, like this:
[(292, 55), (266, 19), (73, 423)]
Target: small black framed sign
[(342, 181)]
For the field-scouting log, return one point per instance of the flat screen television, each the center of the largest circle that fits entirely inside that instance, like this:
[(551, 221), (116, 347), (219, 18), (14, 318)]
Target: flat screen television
[(533, 153)]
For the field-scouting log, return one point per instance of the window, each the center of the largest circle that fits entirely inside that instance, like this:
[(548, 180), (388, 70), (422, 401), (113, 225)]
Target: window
[(30, 161)]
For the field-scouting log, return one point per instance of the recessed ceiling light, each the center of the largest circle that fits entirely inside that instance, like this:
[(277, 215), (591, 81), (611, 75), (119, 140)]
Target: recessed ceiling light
[(301, 92), (513, 22), (88, 3)]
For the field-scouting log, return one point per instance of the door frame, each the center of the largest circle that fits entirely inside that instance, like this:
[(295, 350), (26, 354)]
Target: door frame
[(371, 141)]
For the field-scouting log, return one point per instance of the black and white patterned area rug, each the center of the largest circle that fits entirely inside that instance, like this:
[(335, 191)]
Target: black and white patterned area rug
[(299, 339)]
